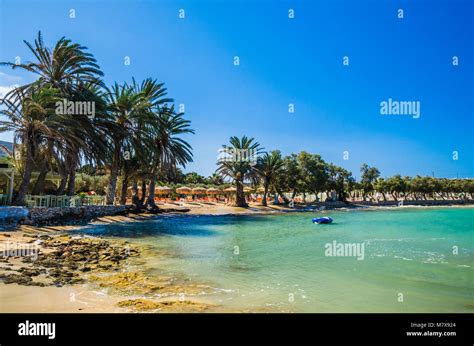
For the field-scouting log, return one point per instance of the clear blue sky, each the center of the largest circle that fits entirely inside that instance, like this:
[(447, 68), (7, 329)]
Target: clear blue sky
[(284, 61)]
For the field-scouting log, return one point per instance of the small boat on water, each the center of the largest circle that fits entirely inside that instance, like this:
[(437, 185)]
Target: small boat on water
[(325, 219)]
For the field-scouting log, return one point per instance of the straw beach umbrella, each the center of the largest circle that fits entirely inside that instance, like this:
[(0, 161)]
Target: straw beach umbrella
[(231, 190), (184, 190), (248, 189), (163, 190), (199, 191), (213, 191)]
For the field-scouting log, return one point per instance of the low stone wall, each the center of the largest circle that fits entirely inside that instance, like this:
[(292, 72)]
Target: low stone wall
[(71, 215), (333, 204)]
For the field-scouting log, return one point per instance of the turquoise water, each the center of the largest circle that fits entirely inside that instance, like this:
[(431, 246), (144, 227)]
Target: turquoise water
[(278, 262)]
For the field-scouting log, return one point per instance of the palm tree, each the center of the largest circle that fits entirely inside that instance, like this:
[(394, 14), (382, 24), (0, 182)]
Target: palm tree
[(83, 138), (167, 150), (239, 164), (134, 109), (268, 167), (33, 119), (215, 179), (71, 70), (126, 107)]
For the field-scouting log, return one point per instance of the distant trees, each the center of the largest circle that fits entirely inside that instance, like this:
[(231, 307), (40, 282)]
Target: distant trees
[(268, 167), (369, 176), (238, 163), (308, 174)]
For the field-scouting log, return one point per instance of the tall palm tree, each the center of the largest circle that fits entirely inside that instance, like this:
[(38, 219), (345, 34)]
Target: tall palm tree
[(126, 107), (133, 107), (33, 119), (268, 166), (240, 165), (167, 150), (67, 68)]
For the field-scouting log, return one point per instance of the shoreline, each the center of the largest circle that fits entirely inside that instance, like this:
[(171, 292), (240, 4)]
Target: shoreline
[(62, 274), (120, 286), (12, 217)]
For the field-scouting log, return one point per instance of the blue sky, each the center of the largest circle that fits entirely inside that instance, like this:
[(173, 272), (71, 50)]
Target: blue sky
[(283, 61)]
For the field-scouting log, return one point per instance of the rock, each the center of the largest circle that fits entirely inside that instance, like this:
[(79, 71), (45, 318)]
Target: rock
[(30, 271), (16, 279), (145, 304)]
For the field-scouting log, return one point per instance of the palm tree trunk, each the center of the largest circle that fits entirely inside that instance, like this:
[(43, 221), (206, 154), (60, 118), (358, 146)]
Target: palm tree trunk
[(293, 195), (285, 199), (71, 184), (39, 185), (151, 193), (62, 185), (63, 172), (29, 162), (240, 196), (265, 193), (135, 199), (123, 192), (113, 176)]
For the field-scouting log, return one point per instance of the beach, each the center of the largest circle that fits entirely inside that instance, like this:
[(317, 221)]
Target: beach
[(165, 273), (93, 296)]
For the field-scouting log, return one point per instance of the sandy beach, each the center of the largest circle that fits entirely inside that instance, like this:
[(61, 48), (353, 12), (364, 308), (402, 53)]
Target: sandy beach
[(117, 289), (82, 284)]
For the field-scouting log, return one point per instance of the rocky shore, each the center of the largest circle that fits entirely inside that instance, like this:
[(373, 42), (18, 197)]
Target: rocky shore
[(41, 259), (45, 260)]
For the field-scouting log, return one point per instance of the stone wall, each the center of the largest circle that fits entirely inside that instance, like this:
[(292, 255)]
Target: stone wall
[(71, 215)]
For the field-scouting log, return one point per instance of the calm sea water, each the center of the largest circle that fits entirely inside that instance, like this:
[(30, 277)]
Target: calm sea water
[(279, 262)]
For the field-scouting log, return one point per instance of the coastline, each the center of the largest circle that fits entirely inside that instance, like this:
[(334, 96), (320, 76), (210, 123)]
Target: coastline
[(120, 286)]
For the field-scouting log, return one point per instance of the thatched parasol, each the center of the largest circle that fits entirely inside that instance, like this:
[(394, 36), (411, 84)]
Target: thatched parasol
[(231, 189), (199, 191), (260, 190), (184, 190), (163, 190), (213, 191)]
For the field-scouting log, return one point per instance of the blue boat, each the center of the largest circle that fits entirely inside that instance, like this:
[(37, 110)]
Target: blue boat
[(325, 219)]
